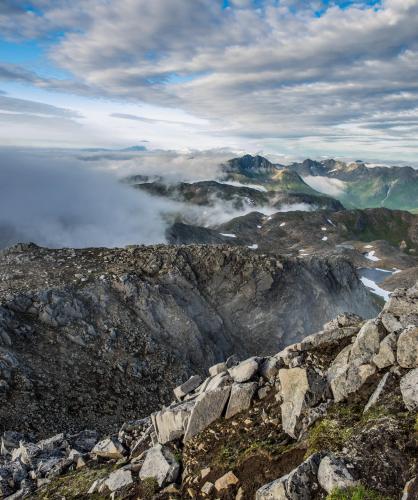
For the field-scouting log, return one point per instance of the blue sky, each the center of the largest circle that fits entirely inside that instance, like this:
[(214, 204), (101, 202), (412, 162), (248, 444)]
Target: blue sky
[(286, 77)]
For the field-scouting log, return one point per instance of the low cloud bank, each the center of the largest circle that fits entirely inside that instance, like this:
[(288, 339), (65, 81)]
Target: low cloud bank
[(55, 200), (332, 187)]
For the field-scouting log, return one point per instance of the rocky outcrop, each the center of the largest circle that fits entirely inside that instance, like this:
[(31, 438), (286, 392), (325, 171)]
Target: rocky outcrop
[(90, 338)]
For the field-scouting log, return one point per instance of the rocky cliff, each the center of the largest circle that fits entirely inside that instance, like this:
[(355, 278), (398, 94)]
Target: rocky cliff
[(92, 337), (333, 416)]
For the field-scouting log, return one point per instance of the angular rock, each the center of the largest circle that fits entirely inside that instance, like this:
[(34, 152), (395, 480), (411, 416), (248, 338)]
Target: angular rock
[(351, 380), (218, 368), (276, 490), (208, 407), (386, 355), (160, 464), (409, 389), (301, 388), (83, 441), (223, 379), (410, 491), (407, 351), (118, 479), (51, 443), (378, 392), (302, 481), (391, 323), (207, 488), (187, 387), (244, 371), (226, 481), (367, 343), (343, 320), (240, 398), (171, 423), (109, 448), (333, 473), (269, 368)]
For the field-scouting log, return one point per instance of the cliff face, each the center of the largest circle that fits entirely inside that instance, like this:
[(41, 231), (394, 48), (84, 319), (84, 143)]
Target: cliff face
[(90, 338)]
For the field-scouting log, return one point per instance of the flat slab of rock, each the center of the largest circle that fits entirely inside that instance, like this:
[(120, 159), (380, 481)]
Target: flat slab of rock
[(409, 389), (109, 448), (187, 387), (171, 423), (276, 490), (244, 371), (160, 464), (301, 388), (208, 407), (118, 479), (386, 355), (226, 481), (218, 368), (378, 392), (240, 398)]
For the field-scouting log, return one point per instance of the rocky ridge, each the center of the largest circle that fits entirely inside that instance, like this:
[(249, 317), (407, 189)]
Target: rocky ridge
[(93, 337), (332, 415)]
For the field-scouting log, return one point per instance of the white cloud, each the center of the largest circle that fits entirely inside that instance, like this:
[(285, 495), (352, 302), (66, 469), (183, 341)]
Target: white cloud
[(332, 187)]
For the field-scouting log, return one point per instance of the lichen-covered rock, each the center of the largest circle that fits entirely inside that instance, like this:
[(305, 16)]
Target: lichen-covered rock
[(379, 391), (407, 352), (276, 490), (118, 479), (409, 389), (333, 473), (226, 481), (300, 389), (386, 355), (161, 465)]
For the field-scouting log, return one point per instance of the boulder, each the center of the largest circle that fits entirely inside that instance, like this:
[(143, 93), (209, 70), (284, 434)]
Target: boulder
[(407, 352), (118, 479), (51, 443), (386, 354), (27, 453), (409, 389), (226, 481), (171, 423), (160, 464), (244, 371), (218, 368), (187, 387), (269, 368), (299, 484), (207, 488), (391, 323), (333, 473), (208, 407), (367, 342), (240, 398), (302, 481), (223, 379), (301, 388), (83, 441), (276, 490), (109, 448)]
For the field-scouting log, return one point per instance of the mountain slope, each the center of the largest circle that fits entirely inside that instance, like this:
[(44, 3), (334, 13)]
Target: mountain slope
[(359, 186), (95, 336)]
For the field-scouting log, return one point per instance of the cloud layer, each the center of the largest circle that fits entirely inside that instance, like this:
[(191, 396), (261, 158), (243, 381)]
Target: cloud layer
[(330, 75)]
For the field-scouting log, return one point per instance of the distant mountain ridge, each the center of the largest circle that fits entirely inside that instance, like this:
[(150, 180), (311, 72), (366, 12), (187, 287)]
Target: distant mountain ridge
[(361, 186)]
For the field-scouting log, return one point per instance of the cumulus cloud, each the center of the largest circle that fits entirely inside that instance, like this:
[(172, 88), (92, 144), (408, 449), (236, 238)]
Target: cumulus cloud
[(311, 74)]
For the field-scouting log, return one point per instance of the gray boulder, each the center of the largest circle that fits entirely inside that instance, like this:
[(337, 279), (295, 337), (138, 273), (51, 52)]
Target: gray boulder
[(218, 368), (407, 352), (302, 482), (379, 391), (276, 490), (244, 371), (333, 473), (160, 464), (386, 355), (409, 389), (109, 448), (118, 479), (240, 398), (300, 388), (171, 423), (187, 387), (208, 407)]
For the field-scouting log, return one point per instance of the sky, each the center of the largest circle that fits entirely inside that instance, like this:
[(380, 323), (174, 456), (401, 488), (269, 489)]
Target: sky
[(283, 77)]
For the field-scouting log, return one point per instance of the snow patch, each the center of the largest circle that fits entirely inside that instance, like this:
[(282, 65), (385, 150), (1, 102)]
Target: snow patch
[(371, 256), (228, 235), (254, 246), (375, 288), (325, 238), (282, 224)]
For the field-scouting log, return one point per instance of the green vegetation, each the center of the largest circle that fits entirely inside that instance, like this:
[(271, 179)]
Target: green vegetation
[(74, 485), (356, 493), (149, 487)]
